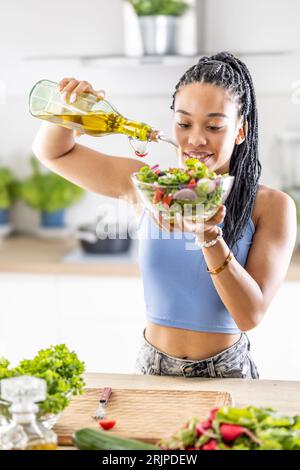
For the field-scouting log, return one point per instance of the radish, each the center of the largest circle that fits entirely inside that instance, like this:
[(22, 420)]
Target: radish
[(185, 194), (155, 167), (230, 432), (201, 428), (210, 445)]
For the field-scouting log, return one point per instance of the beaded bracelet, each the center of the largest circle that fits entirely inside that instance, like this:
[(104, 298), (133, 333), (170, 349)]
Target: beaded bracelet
[(223, 265), (205, 244)]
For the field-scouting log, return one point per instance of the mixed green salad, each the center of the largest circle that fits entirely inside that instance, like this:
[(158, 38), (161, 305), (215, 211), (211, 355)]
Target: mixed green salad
[(171, 190), (230, 428), (59, 367)]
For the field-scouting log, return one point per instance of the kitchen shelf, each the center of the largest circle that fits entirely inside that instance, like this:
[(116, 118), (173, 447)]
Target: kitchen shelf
[(121, 59), (114, 61)]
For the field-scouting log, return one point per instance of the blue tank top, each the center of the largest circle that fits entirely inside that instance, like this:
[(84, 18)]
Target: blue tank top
[(178, 291)]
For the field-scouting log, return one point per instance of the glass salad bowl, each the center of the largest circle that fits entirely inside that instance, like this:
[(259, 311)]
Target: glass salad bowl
[(194, 192)]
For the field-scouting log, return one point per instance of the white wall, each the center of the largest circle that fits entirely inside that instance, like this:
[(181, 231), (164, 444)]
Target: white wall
[(255, 26), (68, 27)]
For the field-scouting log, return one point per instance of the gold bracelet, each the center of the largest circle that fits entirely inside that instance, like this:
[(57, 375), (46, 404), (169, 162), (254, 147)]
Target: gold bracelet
[(223, 265)]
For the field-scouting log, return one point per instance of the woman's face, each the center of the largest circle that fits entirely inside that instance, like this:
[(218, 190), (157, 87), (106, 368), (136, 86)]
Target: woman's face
[(206, 125)]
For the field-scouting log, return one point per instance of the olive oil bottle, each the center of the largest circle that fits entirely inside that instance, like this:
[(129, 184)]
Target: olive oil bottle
[(88, 114), (24, 431), (99, 123)]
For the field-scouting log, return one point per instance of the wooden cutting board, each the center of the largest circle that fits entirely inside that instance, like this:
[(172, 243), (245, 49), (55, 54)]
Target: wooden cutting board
[(146, 415)]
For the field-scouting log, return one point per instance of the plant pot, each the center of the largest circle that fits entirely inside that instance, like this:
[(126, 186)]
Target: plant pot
[(53, 219), (4, 216), (158, 34)]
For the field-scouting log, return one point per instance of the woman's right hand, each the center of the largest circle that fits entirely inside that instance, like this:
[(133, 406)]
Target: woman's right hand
[(72, 88)]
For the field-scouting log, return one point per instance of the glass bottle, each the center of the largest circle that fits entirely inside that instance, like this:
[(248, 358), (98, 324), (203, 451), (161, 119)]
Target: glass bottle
[(24, 432), (89, 115)]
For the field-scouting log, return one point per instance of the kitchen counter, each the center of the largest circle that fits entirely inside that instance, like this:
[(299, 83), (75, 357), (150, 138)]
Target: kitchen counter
[(29, 254), (36, 255), (283, 396)]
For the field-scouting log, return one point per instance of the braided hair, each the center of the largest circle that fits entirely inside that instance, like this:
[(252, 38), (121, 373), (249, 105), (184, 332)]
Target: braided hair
[(228, 72)]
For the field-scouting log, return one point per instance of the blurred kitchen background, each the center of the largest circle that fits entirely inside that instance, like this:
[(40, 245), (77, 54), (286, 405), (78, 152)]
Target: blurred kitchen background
[(53, 287)]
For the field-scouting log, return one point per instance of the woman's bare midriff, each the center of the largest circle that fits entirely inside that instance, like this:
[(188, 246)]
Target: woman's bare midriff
[(187, 344)]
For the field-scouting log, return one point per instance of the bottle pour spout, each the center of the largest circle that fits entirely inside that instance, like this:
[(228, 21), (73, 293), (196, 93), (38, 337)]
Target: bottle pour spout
[(139, 147)]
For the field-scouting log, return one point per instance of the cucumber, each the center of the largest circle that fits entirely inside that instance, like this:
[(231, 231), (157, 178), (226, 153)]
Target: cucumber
[(90, 439)]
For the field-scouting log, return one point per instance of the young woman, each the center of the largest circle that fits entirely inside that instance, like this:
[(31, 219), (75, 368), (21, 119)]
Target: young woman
[(199, 302)]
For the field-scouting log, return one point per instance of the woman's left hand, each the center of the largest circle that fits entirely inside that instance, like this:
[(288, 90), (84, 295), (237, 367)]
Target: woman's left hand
[(205, 230)]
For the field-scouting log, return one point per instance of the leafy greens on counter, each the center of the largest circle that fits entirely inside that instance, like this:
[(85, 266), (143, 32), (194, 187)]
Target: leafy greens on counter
[(59, 367)]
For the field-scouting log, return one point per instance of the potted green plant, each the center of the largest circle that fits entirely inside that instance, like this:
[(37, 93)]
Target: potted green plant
[(158, 24), (50, 194), (7, 182)]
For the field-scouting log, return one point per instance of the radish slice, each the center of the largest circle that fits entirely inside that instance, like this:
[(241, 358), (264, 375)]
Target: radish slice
[(155, 167), (185, 194)]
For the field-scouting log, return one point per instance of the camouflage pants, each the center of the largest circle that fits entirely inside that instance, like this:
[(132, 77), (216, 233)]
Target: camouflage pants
[(234, 362)]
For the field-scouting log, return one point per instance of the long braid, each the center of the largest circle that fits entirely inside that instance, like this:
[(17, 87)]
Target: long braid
[(228, 72)]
